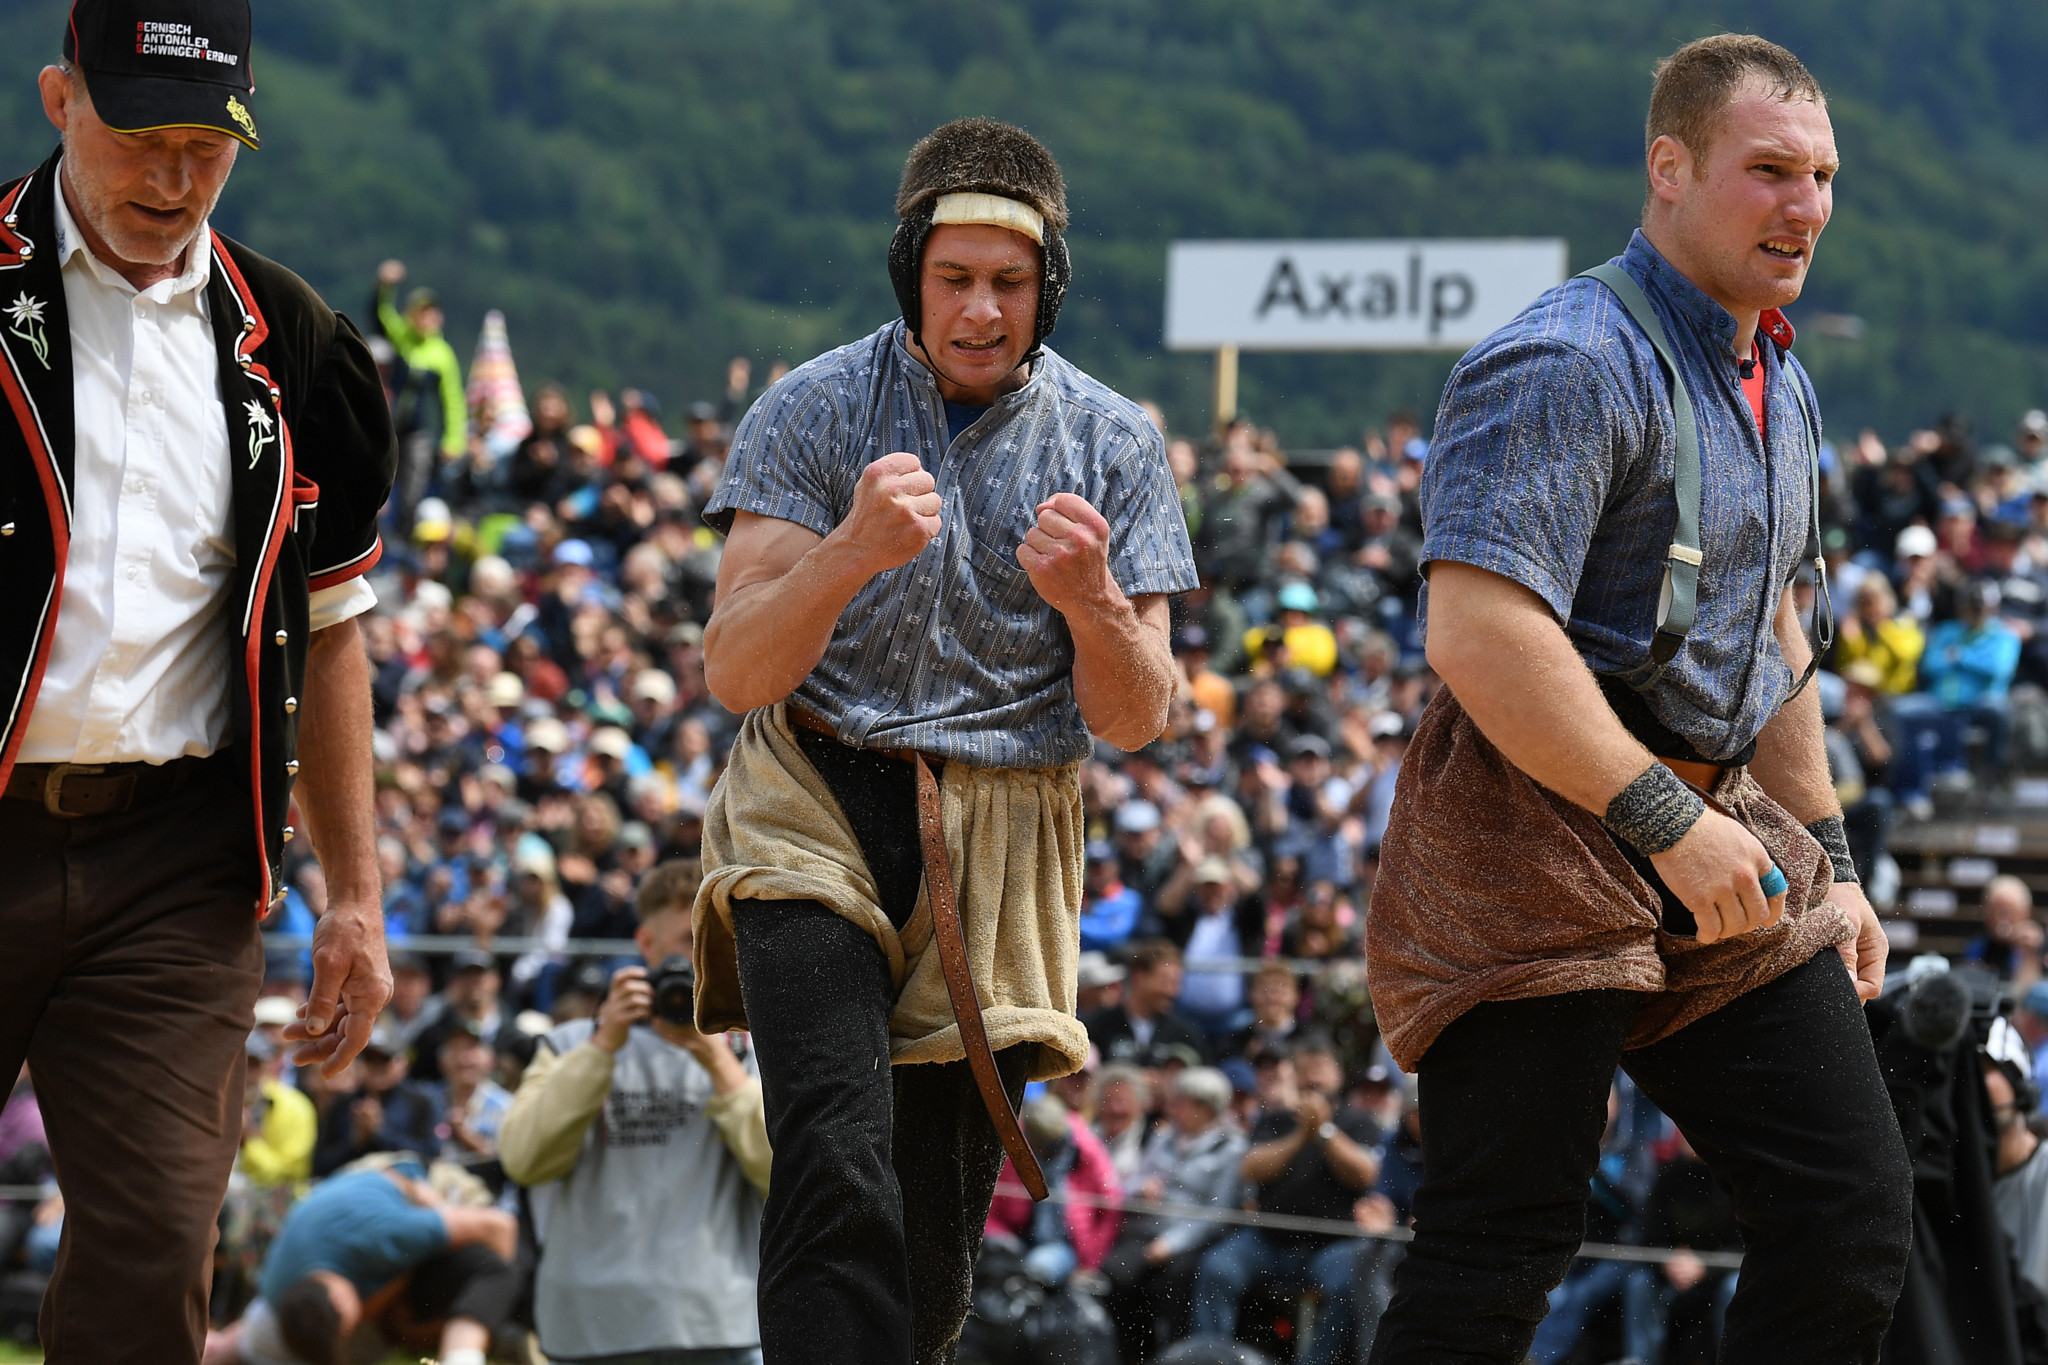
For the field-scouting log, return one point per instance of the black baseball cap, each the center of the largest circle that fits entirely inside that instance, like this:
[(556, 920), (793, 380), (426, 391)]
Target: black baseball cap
[(153, 64)]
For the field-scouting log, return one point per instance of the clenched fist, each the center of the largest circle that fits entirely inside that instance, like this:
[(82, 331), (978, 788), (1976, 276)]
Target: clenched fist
[(895, 513), (1067, 555)]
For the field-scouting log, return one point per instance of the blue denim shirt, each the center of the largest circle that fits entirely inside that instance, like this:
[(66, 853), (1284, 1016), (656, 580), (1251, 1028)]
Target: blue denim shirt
[(955, 653), (1552, 465)]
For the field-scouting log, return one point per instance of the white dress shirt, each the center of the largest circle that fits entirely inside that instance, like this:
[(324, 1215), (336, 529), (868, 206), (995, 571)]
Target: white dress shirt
[(139, 667)]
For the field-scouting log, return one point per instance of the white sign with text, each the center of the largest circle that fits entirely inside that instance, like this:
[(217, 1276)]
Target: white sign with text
[(1417, 295)]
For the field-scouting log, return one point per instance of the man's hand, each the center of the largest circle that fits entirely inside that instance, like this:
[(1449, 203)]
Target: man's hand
[(1865, 954), (630, 1001), (1312, 1111), (1716, 870), (390, 273), (895, 513), (711, 1051), (1067, 556), (1374, 1213), (1684, 1270), (351, 985)]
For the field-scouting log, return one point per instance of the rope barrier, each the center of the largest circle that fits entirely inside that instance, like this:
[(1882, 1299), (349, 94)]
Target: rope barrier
[(1243, 1218), (443, 945), (1336, 1227)]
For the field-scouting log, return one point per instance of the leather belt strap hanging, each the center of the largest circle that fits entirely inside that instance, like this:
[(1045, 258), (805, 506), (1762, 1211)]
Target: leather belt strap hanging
[(952, 946), (951, 942)]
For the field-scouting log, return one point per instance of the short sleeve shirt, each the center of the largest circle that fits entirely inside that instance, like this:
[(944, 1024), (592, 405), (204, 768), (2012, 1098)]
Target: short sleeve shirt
[(1552, 465), (955, 653), (360, 1226)]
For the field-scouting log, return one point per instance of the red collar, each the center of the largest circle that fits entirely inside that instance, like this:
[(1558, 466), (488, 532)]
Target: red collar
[(1772, 324)]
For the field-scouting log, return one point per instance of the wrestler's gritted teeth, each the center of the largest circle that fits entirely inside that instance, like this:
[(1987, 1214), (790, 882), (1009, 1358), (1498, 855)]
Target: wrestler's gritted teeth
[(1787, 252)]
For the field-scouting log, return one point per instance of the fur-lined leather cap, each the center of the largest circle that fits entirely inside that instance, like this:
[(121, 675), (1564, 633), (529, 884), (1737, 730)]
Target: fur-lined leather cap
[(981, 155)]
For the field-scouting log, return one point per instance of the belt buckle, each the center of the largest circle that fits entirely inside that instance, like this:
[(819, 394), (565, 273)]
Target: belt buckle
[(53, 786)]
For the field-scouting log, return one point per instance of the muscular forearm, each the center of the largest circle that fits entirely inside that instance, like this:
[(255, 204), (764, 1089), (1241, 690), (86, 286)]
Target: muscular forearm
[(1513, 669), (1791, 762), (335, 786), (1266, 1161), (1355, 1167), (766, 636), (1123, 669)]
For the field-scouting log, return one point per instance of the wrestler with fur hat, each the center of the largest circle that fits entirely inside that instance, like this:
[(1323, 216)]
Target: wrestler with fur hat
[(949, 554)]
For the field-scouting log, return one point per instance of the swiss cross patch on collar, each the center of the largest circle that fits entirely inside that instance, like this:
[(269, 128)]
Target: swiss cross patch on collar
[(1772, 324)]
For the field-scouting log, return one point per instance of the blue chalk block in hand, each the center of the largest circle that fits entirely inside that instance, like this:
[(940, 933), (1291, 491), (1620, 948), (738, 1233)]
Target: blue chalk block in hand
[(1773, 883)]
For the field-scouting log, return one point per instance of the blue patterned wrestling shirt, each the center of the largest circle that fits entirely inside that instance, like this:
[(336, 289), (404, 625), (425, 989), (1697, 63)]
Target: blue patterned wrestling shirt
[(955, 653), (1552, 465)]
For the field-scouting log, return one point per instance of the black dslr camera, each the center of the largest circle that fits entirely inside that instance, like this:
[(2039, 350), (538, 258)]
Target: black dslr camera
[(675, 990)]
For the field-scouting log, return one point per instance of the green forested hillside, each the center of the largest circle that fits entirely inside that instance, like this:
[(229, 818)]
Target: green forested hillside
[(648, 186)]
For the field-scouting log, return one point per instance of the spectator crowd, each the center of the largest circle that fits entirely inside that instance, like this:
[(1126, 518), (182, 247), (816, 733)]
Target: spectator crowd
[(545, 747)]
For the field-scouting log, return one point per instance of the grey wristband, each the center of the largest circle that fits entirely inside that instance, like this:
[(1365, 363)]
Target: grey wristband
[(1835, 839), (1653, 812)]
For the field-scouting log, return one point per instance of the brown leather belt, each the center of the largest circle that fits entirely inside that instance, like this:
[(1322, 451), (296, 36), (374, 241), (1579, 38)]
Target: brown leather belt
[(952, 945), (1702, 775), (72, 790)]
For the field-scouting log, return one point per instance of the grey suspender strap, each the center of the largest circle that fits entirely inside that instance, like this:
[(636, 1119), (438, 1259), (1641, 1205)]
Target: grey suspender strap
[(1678, 606), (1823, 601)]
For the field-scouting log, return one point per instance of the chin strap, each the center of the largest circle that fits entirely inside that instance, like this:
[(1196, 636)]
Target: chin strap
[(932, 360)]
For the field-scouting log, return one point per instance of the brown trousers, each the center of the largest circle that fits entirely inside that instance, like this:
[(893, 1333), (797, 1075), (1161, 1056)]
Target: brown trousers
[(129, 968)]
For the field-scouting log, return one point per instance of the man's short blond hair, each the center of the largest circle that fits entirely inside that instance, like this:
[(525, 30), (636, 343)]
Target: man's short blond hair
[(1696, 83), (669, 886)]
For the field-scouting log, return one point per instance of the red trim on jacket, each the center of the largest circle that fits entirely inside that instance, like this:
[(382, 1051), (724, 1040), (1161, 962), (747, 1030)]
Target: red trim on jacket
[(60, 538), (252, 645), (348, 571)]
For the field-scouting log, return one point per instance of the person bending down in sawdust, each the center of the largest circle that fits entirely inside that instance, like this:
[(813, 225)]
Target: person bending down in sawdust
[(948, 565)]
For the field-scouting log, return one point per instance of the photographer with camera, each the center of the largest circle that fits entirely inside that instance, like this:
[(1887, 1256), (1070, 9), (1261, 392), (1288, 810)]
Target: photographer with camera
[(645, 1148)]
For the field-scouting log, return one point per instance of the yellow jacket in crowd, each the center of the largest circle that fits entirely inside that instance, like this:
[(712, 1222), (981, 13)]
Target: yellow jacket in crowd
[(281, 1149), (1309, 645), (1894, 646)]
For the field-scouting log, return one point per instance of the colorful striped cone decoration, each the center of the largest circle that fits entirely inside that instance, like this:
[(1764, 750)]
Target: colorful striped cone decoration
[(497, 407)]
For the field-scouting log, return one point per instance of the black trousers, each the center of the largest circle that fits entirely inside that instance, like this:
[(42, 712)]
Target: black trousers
[(469, 1282), (882, 1175), (1779, 1092), (1151, 1305), (129, 968)]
